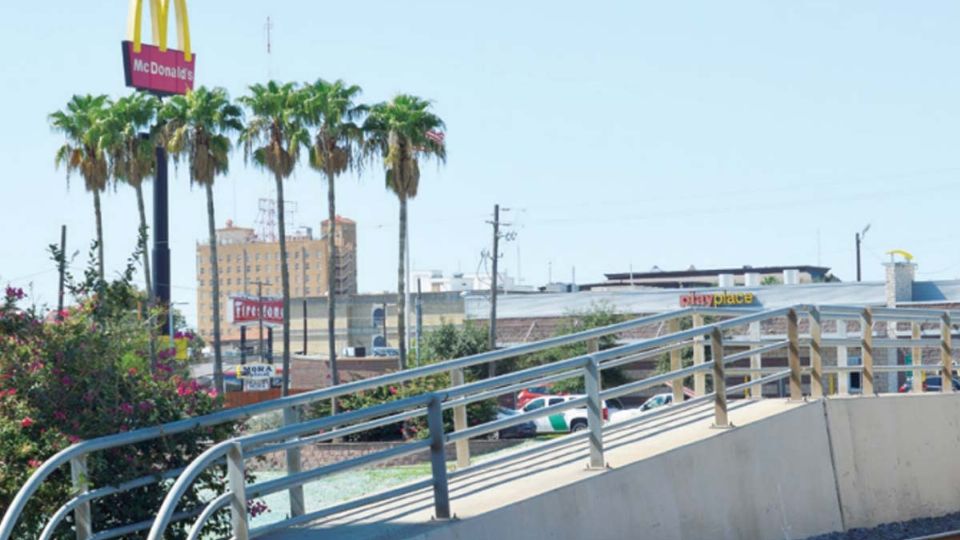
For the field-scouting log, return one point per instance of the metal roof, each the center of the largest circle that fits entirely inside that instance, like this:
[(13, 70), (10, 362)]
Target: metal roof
[(654, 300)]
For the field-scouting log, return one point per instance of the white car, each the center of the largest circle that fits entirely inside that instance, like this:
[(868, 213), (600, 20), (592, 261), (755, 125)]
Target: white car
[(564, 421), (655, 402)]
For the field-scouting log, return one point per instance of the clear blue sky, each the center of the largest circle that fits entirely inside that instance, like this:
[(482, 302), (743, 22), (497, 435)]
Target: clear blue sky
[(620, 133)]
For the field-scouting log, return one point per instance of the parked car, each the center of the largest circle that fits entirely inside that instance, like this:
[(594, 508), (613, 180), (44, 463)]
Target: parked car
[(655, 402), (931, 384), (527, 394), (564, 421), (519, 431)]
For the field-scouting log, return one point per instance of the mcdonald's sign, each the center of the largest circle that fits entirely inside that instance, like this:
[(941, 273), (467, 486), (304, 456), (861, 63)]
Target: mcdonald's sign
[(156, 68)]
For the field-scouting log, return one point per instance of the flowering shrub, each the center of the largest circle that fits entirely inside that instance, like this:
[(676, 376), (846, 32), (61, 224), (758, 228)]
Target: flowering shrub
[(83, 374)]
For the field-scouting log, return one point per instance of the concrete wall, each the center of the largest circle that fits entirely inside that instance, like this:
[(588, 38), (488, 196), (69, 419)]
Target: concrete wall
[(896, 457), (883, 459)]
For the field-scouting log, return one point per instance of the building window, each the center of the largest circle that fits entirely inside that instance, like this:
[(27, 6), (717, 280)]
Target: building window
[(229, 258), (247, 268), (258, 256), (238, 269), (258, 266), (296, 266), (296, 254), (229, 281), (306, 254), (306, 266)]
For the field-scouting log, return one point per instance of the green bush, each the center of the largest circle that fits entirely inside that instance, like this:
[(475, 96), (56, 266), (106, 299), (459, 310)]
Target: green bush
[(81, 374)]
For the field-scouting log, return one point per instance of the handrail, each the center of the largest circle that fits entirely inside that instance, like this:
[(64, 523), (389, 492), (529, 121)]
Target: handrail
[(62, 457), (299, 434)]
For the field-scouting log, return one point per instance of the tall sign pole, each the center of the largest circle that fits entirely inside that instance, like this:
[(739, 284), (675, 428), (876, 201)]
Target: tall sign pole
[(161, 239)]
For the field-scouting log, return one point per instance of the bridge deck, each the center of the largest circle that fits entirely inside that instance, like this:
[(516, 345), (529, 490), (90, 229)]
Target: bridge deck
[(484, 490)]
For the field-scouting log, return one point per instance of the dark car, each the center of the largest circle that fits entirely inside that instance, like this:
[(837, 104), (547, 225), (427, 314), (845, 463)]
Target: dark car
[(931, 384), (519, 431)]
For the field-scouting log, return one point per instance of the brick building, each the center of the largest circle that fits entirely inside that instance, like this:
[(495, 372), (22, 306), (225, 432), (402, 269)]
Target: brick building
[(245, 259)]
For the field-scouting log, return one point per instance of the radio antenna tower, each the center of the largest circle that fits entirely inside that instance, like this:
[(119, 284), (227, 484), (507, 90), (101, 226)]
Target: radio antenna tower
[(268, 27), (267, 220)]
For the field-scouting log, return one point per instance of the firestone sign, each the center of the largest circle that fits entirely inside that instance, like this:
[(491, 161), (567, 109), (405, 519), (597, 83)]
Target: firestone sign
[(248, 310), (156, 68)]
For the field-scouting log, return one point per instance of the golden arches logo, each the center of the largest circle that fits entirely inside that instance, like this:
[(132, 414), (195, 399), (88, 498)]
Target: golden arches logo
[(159, 17)]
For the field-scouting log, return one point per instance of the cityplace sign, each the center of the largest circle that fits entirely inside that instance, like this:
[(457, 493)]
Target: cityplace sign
[(156, 68), (718, 299)]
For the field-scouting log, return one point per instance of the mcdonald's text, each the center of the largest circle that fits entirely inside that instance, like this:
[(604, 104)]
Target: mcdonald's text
[(160, 72)]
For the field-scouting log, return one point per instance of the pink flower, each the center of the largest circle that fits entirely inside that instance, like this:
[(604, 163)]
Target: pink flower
[(59, 415), (126, 408), (34, 463), (26, 422), (73, 439), (393, 390), (132, 371), (14, 293)]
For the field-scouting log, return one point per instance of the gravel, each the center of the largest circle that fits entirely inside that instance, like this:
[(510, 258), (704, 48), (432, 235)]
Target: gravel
[(898, 531)]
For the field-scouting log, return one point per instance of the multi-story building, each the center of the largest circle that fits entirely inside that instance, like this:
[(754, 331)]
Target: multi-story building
[(246, 260)]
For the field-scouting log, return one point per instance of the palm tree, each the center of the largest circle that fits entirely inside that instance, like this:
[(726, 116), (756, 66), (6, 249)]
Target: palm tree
[(130, 139), (83, 151), (403, 131), (273, 139), (331, 110), (196, 126)]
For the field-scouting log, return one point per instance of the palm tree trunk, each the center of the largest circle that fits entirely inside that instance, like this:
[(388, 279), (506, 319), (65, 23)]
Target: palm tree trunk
[(285, 285), (332, 275), (215, 295), (146, 270), (401, 282), (96, 210)]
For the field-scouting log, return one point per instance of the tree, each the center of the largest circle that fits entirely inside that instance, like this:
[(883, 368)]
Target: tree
[(399, 131), (273, 139), (130, 139), (331, 110), (81, 124), (196, 126)]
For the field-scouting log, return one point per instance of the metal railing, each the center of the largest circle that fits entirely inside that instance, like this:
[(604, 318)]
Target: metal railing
[(295, 434)]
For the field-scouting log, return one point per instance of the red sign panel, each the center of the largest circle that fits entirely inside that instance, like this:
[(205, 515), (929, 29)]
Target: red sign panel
[(247, 310), (160, 72)]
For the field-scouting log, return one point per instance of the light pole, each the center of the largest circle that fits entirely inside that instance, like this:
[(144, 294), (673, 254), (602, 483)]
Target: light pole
[(859, 239)]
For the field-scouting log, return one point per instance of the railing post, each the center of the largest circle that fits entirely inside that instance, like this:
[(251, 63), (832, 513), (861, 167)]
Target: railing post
[(676, 362), (946, 354), (438, 459), (756, 362), (699, 378), (816, 354), (917, 353), (793, 356), (594, 412), (292, 416), (79, 476), (719, 380), (237, 487), (866, 351), (460, 423)]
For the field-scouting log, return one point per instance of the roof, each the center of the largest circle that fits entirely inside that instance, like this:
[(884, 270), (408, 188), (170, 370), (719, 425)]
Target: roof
[(341, 219), (813, 270), (655, 300)]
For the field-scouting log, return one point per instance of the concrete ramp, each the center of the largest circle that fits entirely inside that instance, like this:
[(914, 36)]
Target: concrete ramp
[(786, 471)]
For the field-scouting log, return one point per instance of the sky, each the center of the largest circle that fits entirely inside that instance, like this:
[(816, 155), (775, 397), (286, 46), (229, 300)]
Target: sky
[(620, 134)]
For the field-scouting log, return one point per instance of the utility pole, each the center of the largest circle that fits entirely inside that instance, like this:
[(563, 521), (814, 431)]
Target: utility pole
[(303, 289), (491, 367), (260, 285), (493, 286), (859, 239), (161, 242)]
